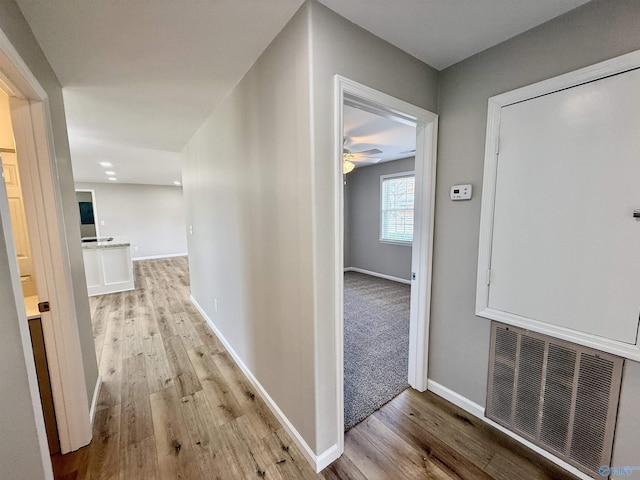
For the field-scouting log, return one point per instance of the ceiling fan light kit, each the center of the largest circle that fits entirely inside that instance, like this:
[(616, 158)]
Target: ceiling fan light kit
[(349, 159), (347, 166)]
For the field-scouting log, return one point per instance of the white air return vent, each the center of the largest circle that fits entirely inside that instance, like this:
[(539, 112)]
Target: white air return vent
[(558, 395)]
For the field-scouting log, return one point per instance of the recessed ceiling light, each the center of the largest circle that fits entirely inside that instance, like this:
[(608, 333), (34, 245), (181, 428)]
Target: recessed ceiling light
[(106, 164), (113, 179), (110, 172), (177, 183)]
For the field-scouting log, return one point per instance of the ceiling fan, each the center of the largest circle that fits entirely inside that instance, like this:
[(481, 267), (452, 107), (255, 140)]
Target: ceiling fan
[(349, 158)]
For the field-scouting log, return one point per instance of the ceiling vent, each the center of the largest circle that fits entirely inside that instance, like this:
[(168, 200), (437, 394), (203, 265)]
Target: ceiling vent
[(560, 396)]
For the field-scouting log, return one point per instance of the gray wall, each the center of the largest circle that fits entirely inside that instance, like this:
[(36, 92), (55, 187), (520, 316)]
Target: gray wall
[(340, 47), (15, 27), (151, 217), (595, 32), (626, 445), (363, 236), (22, 455)]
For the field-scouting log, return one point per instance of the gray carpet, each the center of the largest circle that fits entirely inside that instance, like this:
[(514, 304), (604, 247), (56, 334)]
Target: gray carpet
[(376, 344)]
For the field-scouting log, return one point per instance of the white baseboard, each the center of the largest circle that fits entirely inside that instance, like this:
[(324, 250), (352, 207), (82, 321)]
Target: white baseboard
[(318, 462), (463, 402), (478, 412), (94, 400), (326, 458), (379, 275), (153, 257), (112, 288)]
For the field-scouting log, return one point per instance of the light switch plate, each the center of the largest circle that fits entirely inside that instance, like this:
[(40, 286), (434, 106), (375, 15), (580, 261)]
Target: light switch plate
[(461, 192)]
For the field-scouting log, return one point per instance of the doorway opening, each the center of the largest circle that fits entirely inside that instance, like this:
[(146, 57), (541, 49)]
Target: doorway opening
[(89, 224), (379, 194), (417, 185)]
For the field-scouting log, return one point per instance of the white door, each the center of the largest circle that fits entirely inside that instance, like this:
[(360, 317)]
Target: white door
[(18, 222), (566, 247)]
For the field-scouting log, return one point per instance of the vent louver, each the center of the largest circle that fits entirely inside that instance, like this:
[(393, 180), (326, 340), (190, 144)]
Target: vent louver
[(560, 396)]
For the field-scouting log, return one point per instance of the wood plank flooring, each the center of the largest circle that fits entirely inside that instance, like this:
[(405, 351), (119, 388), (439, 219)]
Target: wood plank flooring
[(174, 405)]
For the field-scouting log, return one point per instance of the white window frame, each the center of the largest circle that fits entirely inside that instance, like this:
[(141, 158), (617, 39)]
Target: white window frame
[(381, 239)]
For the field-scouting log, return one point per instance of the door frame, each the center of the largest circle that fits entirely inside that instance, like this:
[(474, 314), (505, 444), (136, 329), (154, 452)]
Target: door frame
[(33, 135), (426, 124), (95, 207)]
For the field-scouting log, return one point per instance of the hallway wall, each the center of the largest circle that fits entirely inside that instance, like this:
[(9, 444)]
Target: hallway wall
[(247, 180), (589, 34)]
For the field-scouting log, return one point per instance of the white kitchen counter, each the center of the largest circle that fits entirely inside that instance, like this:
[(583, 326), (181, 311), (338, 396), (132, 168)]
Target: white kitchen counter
[(108, 266), (31, 306)]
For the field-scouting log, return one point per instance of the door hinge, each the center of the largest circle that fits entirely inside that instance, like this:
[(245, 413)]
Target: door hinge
[(44, 307), (489, 277), (497, 145)]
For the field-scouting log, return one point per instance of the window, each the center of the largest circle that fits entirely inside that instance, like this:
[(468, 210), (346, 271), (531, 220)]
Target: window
[(396, 208)]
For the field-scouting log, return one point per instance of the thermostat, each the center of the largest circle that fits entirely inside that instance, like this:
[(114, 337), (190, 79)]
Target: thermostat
[(461, 192)]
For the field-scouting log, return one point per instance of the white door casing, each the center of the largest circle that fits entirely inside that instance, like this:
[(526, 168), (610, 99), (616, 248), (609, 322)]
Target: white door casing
[(31, 121), (426, 124)]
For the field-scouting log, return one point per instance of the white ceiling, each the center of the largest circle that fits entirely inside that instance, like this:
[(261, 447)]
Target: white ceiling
[(130, 164), (145, 74), (365, 131)]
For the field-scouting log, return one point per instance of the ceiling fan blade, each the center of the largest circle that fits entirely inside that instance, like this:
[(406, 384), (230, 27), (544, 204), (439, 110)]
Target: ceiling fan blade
[(365, 160), (365, 153)]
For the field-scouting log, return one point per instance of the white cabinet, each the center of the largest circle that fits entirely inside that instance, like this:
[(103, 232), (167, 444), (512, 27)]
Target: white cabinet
[(559, 241), (108, 268)]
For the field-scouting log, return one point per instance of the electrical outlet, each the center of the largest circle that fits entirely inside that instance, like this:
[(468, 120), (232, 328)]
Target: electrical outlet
[(215, 305), (190, 229), (102, 223), (135, 248)]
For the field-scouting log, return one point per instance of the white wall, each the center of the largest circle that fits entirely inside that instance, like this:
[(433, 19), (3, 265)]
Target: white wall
[(592, 33), (152, 217), (362, 237)]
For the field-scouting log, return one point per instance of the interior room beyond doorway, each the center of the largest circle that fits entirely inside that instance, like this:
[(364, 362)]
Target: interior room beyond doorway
[(16, 206), (379, 191)]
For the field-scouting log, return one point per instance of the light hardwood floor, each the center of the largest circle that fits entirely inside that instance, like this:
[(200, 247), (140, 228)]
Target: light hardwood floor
[(174, 405)]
